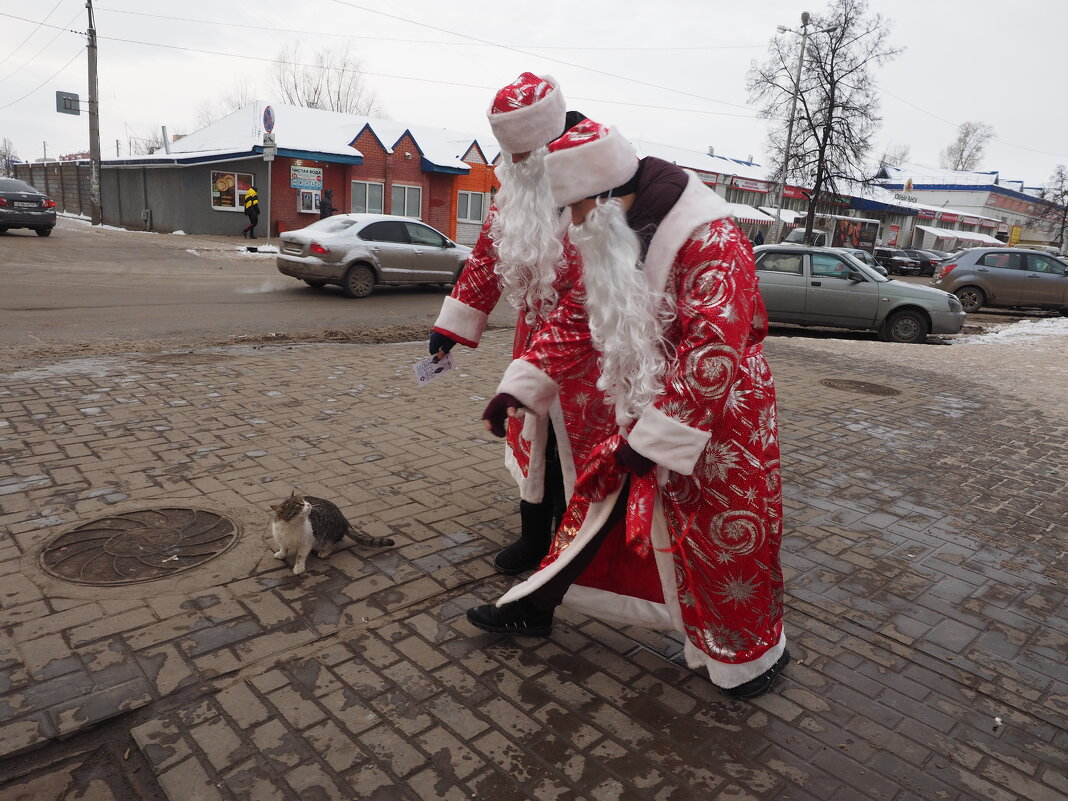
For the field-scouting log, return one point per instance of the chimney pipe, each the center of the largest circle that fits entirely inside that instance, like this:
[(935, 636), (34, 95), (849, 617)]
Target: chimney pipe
[(711, 150)]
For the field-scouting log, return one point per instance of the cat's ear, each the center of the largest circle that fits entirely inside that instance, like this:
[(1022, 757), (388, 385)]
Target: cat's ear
[(275, 508)]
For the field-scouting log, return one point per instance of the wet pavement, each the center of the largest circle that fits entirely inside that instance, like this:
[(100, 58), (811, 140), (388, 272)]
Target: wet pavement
[(924, 557)]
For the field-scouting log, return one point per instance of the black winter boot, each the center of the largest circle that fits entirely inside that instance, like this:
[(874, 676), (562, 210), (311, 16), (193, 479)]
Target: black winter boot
[(761, 684), (527, 552), (519, 617)]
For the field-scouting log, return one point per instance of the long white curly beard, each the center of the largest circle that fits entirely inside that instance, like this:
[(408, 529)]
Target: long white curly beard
[(627, 320), (524, 233)]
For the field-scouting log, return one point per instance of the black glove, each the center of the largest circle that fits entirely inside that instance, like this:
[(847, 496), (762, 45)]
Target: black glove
[(439, 342), (497, 412), (630, 459)]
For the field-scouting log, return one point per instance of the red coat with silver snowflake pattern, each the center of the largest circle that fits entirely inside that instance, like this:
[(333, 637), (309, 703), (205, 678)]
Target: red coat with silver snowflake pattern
[(700, 551), (580, 419)]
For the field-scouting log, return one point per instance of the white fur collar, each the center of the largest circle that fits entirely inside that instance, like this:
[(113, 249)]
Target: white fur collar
[(696, 206)]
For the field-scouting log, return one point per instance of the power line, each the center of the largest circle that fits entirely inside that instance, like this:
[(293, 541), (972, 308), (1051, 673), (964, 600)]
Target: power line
[(31, 33), (48, 44), (547, 58), (46, 80), (245, 26)]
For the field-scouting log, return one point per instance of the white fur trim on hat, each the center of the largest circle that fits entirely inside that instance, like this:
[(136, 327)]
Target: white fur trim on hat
[(533, 126), (592, 168)]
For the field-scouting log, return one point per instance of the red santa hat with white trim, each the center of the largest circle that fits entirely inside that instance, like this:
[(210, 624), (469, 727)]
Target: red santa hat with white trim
[(589, 160), (528, 113)]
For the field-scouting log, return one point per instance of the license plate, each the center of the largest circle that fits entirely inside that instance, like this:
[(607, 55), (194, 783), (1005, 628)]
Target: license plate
[(22, 204)]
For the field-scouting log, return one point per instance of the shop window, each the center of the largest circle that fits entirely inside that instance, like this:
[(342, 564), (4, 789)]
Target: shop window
[(367, 198), (309, 201), (407, 201), (469, 207), (228, 190)]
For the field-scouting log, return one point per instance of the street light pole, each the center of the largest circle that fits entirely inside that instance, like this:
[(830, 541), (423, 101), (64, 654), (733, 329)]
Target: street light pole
[(790, 124)]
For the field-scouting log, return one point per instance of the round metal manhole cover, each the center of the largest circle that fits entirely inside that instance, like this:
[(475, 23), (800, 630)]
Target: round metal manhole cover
[(132, 547), (859, 386)]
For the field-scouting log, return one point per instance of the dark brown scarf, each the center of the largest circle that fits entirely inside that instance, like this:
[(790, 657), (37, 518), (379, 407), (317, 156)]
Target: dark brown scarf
[(660, 185)]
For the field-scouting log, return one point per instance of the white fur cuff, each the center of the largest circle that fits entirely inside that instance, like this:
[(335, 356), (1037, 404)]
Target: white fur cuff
[(529, 128), (531, 386), (465, 322), (668, 442)]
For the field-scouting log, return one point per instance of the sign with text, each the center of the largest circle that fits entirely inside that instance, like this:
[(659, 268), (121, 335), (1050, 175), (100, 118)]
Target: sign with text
[(945, 216), (750, 185), (794, 192), (305, 177), (892, 239)]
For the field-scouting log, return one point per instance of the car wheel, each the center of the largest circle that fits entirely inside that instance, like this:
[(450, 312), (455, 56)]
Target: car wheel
[(906, 326), (359, 281), (3, 229), (44, 231), (972, 298), (314, 284)]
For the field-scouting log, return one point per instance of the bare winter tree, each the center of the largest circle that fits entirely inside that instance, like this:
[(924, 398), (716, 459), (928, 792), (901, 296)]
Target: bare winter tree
[(240, 95), (966, 151), (1052, 213), (894, 155), (146, 145), (8, 157), (837, 108), (329, 79)]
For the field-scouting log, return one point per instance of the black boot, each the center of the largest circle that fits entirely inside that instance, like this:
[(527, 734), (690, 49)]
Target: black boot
[(761, 684), (519, 617), (536, 520)]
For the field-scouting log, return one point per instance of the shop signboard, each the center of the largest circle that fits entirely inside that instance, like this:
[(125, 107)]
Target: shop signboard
[(305, 177), (927, 214), (969, 220), (945, 216), (750, 185), (988, 223), (794, 192)]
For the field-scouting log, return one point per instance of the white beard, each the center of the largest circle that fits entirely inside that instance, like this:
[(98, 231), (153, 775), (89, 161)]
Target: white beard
[(627, 320), (524, 233)]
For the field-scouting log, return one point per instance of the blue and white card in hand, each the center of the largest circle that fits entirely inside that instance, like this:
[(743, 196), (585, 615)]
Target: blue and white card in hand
[(428, 369)]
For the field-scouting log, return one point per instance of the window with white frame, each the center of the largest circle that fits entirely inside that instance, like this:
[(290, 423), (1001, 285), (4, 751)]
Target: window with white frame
[(309, 201), (367, 197), (228, 190), (407, 201), (469, 206)]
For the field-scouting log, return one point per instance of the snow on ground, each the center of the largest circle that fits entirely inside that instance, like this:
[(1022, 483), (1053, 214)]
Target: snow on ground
[(1022, 331)]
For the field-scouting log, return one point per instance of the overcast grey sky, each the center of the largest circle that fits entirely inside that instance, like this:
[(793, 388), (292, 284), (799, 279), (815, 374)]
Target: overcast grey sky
[(670, 71)]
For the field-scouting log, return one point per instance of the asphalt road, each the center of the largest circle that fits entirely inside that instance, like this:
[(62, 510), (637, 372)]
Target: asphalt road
[(98, 290), (84, 286)]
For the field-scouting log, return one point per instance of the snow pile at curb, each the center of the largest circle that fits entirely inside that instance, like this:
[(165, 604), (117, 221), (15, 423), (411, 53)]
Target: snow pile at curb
[(1020, 332)]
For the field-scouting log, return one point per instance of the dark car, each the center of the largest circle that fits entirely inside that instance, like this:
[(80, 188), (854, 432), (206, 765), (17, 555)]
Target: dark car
[(1014, 277), (22, 206), (864, 256), (826, 287), (928, 259), (896, 261)]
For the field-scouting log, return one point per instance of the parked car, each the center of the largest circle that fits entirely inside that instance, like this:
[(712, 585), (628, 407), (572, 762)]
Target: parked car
[(825, 287), (1005, 277), (22, 206), (358, 251), (927, 259), (867, 258), (896, 261), (942, 255)]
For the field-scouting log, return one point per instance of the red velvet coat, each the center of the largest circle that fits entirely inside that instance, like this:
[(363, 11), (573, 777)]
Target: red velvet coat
[(579, 416), (700, 550)]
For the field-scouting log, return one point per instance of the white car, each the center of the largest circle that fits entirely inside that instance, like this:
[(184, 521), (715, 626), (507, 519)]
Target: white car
[(358, 251)]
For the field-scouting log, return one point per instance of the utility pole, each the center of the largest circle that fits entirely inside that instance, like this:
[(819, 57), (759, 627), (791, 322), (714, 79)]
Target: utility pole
[(96, 217)]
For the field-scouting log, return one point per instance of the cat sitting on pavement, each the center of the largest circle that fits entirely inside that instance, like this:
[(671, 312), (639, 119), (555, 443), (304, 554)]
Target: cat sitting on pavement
[(302, 523)]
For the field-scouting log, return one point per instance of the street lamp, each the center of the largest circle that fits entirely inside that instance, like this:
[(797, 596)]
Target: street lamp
[(793, 111)]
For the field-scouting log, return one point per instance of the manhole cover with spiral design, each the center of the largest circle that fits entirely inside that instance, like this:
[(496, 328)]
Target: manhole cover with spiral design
[(145, 545), (859, 386)]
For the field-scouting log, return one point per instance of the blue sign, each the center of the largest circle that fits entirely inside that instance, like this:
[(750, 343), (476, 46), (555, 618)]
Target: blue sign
[(268, 119)]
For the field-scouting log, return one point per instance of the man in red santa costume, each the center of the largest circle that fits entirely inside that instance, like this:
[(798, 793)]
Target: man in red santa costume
[(676, 519), (521, 255)]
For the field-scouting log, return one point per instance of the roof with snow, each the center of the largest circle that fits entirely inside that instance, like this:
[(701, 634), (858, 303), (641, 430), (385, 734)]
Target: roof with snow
[(924, 177), (696, 160), (302, 132)]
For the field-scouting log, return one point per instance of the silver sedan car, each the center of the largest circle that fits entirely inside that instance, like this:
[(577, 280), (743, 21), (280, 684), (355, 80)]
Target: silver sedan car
[(826, 287), (358, 251)]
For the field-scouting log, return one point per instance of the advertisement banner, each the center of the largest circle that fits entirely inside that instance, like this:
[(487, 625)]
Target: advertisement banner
[(892, 239), (945, 216), (750, 185), (793, 192), (1014, 236), (305, 177)]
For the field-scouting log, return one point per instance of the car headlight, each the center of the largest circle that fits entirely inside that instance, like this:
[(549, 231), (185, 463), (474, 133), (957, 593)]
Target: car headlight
[(954, 304)]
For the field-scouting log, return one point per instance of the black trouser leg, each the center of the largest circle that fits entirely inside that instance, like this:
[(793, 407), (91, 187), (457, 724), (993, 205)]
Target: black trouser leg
[(538, 520), (551, 594)]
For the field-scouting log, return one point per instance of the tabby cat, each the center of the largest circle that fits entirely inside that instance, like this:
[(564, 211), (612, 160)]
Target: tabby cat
[(302, 523)]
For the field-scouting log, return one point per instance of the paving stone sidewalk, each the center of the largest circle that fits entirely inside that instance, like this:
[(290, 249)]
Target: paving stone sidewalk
[(924, 553)]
